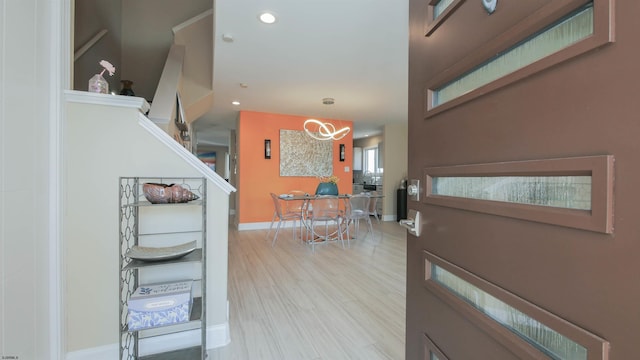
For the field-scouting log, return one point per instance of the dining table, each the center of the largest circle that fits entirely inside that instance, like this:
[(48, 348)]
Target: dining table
[(307, 200)]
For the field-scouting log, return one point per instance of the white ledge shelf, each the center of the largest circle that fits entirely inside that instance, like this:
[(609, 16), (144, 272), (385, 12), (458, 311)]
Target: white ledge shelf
[(86, 97)]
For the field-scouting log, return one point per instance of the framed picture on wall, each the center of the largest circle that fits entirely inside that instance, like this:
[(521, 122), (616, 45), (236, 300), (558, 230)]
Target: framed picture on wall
[(301, 155), (209, 158)]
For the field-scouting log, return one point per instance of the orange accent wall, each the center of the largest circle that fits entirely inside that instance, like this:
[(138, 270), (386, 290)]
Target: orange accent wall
[(258, 177)]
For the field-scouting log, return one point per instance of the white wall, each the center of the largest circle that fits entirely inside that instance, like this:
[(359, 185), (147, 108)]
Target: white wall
[(371, 141), (396, 161), (92, 16), (35, 63), (103, 143), (147, 25), (29, 40)]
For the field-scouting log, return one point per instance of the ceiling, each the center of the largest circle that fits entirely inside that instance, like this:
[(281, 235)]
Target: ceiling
[(355, 51)]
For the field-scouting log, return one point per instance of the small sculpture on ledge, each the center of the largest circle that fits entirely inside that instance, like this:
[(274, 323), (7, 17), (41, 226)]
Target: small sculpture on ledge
[(99, 84), (126, 88), (167, 194)]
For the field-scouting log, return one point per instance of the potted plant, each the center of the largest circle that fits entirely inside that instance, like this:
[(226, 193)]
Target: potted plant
[(328, 185)]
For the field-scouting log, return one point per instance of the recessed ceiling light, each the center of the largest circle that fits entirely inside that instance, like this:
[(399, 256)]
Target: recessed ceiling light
[(267, 17), (235, 103)]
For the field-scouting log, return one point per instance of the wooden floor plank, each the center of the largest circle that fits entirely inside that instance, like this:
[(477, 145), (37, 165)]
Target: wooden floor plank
[(287, 302)]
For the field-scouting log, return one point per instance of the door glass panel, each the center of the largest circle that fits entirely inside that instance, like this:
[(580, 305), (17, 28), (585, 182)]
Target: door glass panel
[(547, 340), (440, 7), (570, 192), (577, 27)]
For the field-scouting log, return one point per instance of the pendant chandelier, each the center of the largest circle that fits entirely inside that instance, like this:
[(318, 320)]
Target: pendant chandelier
[(324, 131)]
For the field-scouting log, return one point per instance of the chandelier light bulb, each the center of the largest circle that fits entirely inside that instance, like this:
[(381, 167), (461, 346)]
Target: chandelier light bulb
[(326, 131)]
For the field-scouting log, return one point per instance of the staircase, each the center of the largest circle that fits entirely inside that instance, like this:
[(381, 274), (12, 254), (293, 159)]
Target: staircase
[(185, 89)]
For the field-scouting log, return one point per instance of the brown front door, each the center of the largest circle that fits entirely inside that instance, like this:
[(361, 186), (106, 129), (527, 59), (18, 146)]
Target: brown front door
[(529, 180)]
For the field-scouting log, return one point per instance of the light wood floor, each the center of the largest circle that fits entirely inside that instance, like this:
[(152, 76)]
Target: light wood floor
[(289, 303)]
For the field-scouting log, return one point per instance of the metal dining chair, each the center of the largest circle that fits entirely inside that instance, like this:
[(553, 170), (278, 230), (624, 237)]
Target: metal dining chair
[(358, 209), (282, 215), (325, 209)]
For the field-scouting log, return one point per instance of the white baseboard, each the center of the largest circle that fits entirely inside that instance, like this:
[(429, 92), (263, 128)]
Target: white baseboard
[(391, 217), (217, 336), (105, 352), (261, 225)]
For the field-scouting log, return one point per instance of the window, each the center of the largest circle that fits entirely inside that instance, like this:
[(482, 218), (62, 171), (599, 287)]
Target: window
[(547, 340), (573, 192), (545, 38), (440, 7), (438, 11), (569, 192), (371, 161), (431, 351), (524, 328), (564, 33)]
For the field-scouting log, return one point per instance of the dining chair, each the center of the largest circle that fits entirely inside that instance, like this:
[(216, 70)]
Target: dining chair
[(298, 206), (358, 209), (373, 205), (283, 215), (325, 209)]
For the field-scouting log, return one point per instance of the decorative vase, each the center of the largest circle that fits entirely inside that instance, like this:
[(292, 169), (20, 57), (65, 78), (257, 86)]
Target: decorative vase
[(327, 188), (126, 88), (167, 194), (98, 84)]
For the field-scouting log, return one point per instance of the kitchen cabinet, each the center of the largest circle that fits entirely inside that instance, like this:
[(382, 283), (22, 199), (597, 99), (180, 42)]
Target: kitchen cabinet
[(357, 158)]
